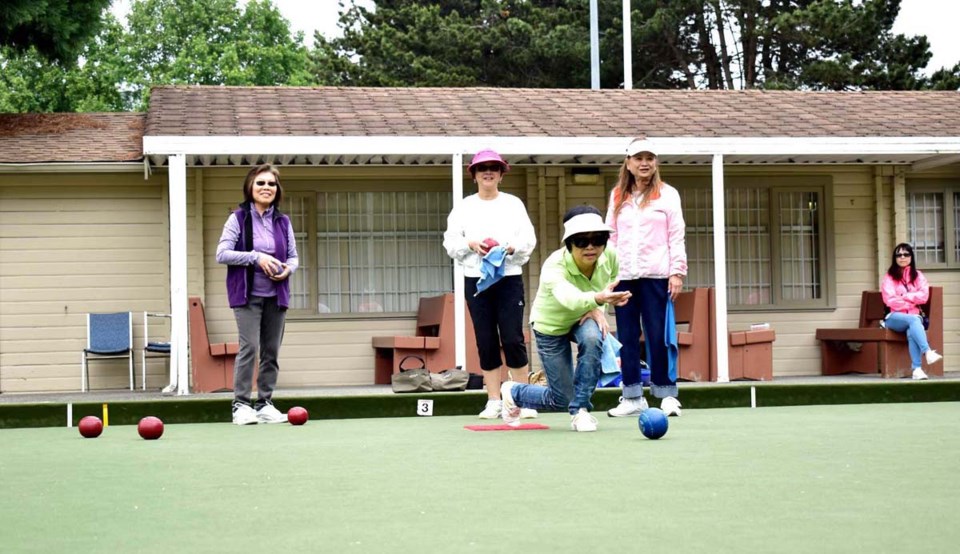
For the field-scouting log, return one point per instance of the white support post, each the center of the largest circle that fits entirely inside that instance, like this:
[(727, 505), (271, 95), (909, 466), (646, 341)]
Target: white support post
[(459, 308), (594, 47), (177, 167), (720, 269), (627, 48)]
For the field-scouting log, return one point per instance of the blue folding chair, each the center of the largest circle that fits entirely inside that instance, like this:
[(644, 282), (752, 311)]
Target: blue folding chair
[(152, 348), (108, 336)]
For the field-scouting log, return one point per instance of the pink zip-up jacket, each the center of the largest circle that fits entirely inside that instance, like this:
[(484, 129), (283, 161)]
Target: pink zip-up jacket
[(904, 297), (649, 242)]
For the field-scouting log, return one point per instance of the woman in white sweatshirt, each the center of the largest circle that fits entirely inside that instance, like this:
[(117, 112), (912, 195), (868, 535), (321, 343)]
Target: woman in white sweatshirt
[(482, 224)]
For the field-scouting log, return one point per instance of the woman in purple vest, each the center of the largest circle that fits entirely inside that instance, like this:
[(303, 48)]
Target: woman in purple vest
[(259, 249)]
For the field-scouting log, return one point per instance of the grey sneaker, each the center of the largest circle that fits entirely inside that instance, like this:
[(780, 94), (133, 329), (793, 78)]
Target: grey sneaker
[(243, 414), (269, 414), (629, 407), (510, 412)]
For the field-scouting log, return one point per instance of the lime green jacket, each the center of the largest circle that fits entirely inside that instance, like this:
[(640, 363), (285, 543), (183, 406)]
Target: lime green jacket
[(565, 294)]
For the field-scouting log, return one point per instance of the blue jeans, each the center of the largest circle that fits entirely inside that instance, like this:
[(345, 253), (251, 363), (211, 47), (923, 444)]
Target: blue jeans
[(568, 388), (916, 334)]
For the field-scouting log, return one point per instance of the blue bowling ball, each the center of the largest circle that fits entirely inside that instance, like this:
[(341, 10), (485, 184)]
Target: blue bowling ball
[(653, 423)]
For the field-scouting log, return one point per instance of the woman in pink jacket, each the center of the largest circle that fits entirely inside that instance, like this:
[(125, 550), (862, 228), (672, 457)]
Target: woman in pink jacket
[(904, 290), (648, 238)]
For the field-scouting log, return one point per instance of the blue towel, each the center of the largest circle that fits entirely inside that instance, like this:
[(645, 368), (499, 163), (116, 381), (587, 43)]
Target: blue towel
[(491, 268), (609, 368), (670, 340)]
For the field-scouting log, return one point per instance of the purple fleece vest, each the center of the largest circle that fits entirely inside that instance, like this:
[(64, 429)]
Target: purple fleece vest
[(240, 277)]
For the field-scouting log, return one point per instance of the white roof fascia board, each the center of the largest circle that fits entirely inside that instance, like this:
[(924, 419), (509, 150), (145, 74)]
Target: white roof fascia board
[(934, 162), (544, 146), (71, 167)]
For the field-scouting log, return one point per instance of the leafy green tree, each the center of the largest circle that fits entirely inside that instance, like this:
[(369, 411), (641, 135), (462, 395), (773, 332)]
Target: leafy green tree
[(30, 82), (53, 29), (211, 42)]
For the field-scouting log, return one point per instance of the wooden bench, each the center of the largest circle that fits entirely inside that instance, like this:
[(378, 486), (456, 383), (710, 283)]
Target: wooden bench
[(211, 364), (433, 341), (692, 315), (869, 348)]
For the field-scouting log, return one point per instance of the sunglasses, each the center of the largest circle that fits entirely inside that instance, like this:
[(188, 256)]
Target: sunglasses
[(266, 183), (904, 255), (582, 241), (488, 167)]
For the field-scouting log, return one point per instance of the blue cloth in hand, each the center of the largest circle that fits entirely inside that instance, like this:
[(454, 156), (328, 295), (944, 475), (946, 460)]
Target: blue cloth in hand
[(491, 268)]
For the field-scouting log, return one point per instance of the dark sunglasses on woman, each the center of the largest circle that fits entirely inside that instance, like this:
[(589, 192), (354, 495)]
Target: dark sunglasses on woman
[(581, 241)]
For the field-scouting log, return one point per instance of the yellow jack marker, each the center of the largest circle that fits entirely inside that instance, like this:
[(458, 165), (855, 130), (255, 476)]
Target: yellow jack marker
[(106, 415)]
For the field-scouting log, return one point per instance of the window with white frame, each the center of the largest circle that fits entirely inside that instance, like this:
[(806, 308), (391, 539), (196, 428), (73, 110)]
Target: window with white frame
[(775, 243), (368, 251), (933, 213)]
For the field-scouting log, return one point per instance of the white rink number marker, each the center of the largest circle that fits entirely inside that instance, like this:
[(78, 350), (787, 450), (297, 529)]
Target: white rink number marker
[(425, 407)]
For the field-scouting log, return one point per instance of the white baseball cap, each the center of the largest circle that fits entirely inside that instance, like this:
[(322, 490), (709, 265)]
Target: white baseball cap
[(584, 223)]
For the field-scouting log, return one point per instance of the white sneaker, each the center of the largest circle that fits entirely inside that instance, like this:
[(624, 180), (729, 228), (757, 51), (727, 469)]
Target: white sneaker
[(528, 413), (269, 414), (670, 406), (919, 374), (583, 422), (510, 411), (932, 357), (492, 410), (243, 414), (629, 407)]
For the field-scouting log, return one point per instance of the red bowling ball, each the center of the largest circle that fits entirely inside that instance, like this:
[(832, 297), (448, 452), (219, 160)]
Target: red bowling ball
[(91, 427), (297, 415), (150, 428)]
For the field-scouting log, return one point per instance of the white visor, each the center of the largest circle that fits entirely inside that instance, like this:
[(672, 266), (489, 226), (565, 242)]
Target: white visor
[(640, 145), (584, 223)]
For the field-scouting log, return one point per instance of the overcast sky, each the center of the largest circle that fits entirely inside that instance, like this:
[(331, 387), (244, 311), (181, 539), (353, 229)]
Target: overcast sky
[(937, 19)]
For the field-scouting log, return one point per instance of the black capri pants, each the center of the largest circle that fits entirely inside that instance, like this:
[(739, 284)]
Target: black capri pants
[(497, 315)]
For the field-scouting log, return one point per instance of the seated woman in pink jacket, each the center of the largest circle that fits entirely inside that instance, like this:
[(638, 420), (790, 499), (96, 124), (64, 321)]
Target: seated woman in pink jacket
[(904, 290)]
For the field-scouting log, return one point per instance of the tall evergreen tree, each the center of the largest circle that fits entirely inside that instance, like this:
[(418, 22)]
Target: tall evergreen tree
[(794, 44), (54, 29)]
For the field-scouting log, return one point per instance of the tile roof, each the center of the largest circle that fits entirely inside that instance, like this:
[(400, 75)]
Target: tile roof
[(360, 111), (71, 137)]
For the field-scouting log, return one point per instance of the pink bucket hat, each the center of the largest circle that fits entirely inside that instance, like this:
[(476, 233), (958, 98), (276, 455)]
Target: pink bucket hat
[(488, 155)]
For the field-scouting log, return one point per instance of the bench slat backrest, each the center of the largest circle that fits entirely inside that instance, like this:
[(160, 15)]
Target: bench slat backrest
[(431, 315), (873, 310)]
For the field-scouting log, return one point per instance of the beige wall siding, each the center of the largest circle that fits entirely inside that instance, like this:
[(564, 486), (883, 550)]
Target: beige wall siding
[(72, 244)]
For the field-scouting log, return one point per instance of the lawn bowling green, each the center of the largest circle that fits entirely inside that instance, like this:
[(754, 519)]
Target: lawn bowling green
[(841, 478)]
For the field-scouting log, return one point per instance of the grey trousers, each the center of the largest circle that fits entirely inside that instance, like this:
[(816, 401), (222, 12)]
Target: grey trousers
[(261, 324)]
